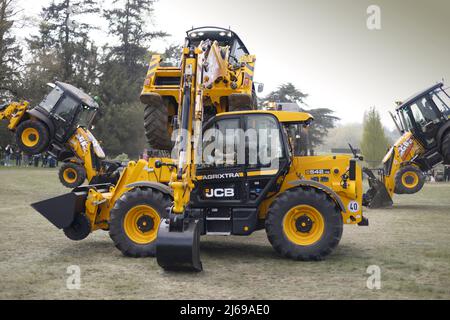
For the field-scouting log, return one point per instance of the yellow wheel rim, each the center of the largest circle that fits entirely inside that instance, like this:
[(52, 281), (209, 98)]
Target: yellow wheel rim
[(70, 175), (141, 224), (303, 225), (30, 137), (410, 179)]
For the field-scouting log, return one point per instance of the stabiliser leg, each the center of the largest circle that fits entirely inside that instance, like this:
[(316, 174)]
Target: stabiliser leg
[(178, 245)]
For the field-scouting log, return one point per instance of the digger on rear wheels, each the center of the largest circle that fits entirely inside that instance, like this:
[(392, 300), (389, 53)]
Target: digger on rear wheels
[(228, 84), (424, 123), (60, 125)]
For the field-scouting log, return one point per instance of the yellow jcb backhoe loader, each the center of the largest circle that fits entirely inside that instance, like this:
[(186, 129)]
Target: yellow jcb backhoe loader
[(59, 125), (233, 175), (424, 123), (228, 79)]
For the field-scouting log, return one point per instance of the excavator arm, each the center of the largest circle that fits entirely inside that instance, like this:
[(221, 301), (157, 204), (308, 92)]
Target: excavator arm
[(178, 236)]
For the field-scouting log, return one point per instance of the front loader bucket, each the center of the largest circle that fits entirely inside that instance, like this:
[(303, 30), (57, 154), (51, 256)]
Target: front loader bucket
[(377, 196), (179, 250), (61, 210)]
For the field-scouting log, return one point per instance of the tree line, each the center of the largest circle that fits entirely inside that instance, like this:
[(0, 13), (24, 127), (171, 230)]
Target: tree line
[(64, 50)]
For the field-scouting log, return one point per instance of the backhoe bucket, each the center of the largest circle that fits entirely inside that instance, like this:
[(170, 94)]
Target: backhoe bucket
[(61, 210), (377, 196), (179, 250)]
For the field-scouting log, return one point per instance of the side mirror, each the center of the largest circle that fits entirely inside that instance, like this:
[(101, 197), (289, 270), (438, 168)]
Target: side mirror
[(260, 87)]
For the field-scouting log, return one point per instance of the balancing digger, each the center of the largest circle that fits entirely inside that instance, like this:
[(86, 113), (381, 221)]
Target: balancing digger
[(60, 125), (423, 120)]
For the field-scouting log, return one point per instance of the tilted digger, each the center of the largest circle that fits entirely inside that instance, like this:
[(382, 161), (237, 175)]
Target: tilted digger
[(424, 123), (228, 79), (59, 125), (232, 175)]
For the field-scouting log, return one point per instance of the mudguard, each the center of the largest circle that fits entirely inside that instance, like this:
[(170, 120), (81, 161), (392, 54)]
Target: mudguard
[(318, 185), (149, 184), (41, 116)]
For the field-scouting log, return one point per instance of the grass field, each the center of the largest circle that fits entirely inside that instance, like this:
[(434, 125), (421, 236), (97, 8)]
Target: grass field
[(409, 242)]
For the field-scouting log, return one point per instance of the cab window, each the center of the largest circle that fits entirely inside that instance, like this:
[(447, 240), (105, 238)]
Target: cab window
[(263, 140), (67, 108), (237, 51), (298, 138), (423, 112), (86, 116), (405, 119), (223, 145), (442, 101), (51, 99)]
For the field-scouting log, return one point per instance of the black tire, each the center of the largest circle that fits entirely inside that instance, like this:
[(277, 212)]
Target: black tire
[(409, 180), (79, 229), (446, 148), (245, 106), (332, 224), (156, 121), (72, 175), (129, 201), (32, 137)]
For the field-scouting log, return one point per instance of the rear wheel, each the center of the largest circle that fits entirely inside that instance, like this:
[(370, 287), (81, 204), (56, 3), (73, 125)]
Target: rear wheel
[(72, 175), (158, 126), (408, 180), (304, 224), (446, 148), (135, 220), (32, 137)]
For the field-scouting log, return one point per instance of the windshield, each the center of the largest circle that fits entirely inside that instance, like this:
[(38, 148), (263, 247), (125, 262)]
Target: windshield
[(67, 108), (423, 112), (86, 116), (442, 101), (237, 50), (51, 99)]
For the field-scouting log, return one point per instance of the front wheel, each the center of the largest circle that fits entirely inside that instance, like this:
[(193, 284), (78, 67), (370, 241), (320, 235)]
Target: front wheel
[(32, 137), (408, 180), (304, 224), (135, 220)]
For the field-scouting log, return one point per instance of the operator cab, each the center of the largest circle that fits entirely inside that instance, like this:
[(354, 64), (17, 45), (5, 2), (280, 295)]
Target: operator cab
[(66, 108), (225, 37), (424, 114), (242, 156)]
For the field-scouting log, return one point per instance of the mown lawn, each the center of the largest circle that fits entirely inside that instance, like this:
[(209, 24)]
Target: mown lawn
[(409, 242)]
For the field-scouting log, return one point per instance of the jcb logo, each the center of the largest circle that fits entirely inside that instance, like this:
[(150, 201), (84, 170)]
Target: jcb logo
[(219, 193), (405, 148)]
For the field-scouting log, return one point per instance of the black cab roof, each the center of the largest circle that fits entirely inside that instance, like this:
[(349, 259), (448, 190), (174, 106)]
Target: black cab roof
[(77, 94), (222, 35), (419, 95)]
